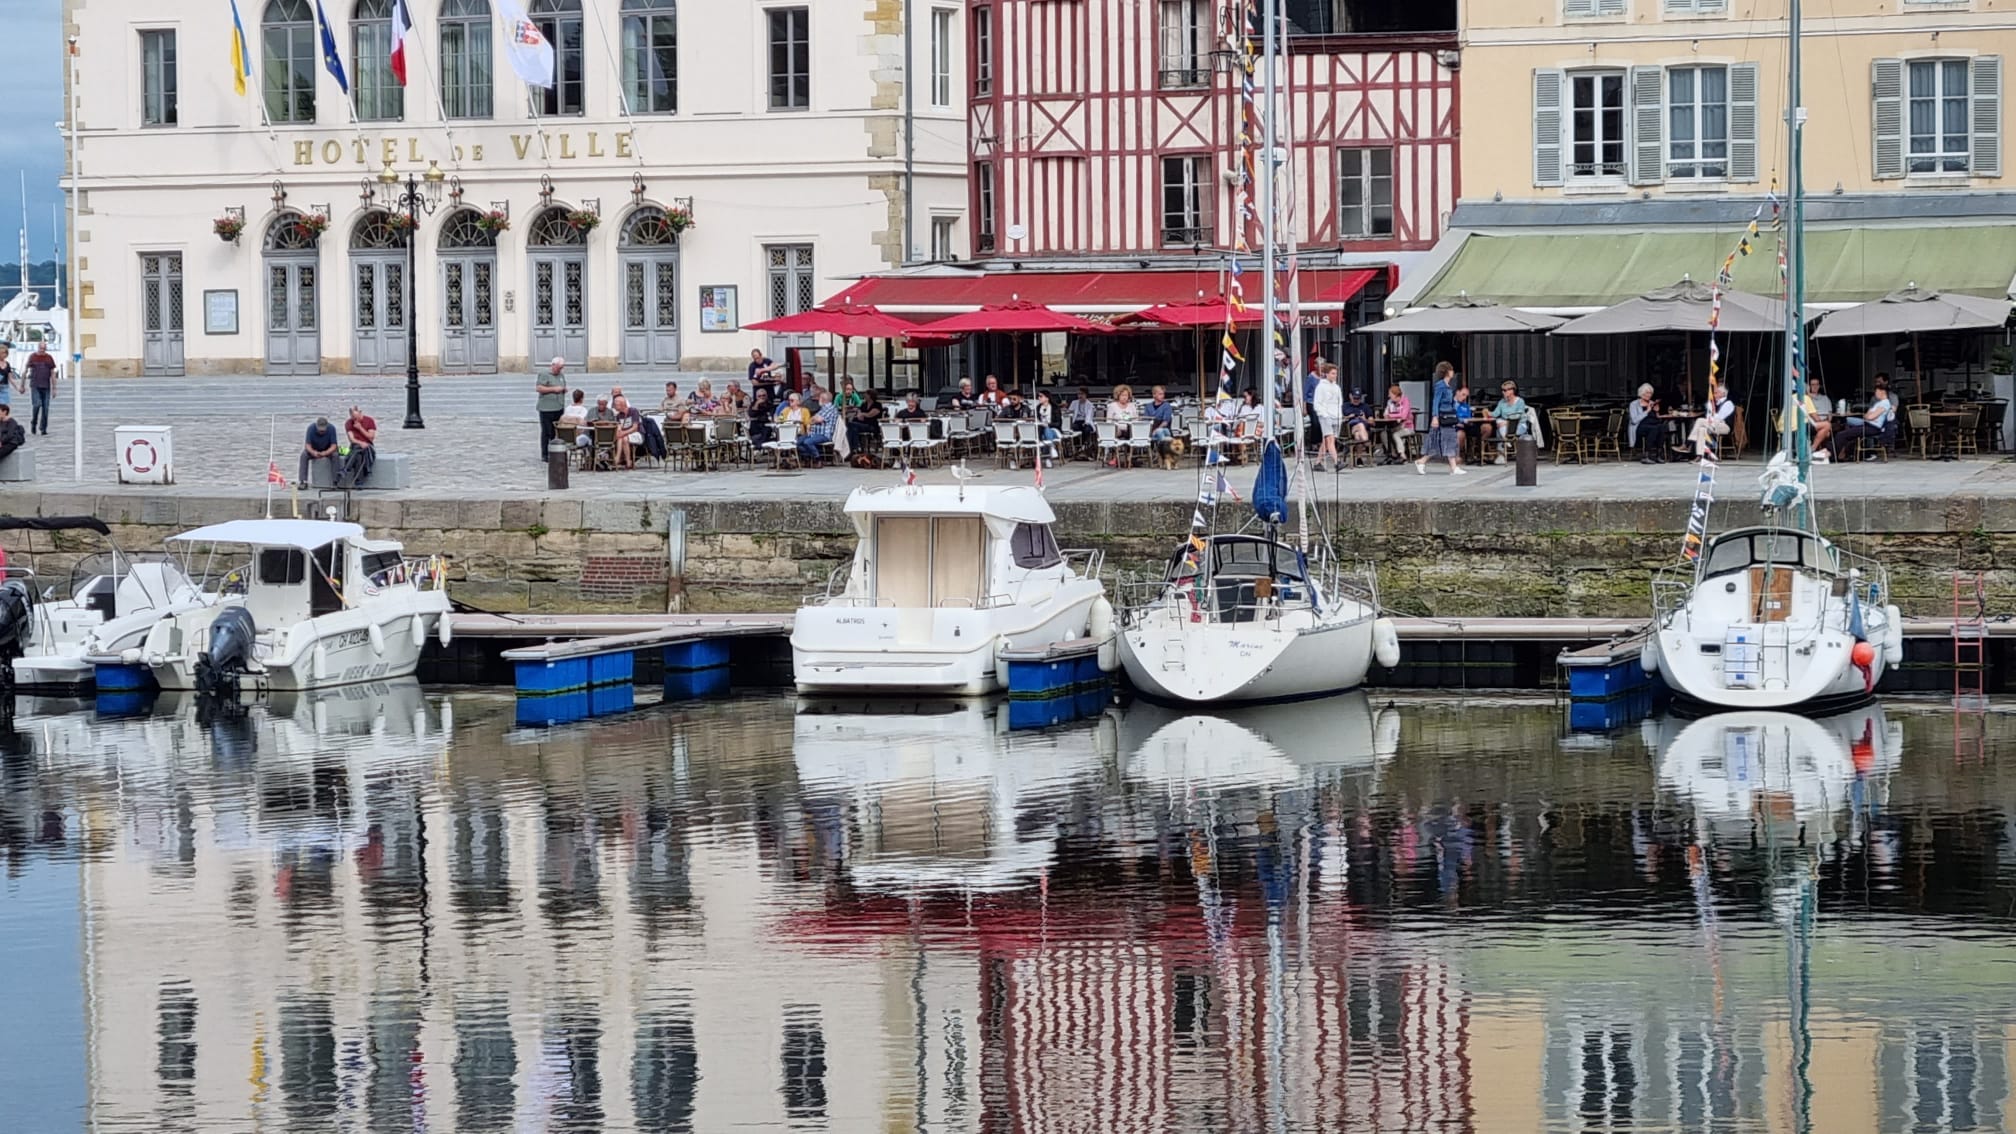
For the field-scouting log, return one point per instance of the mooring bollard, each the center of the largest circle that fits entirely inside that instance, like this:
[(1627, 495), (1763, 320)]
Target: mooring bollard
[(557, 454), (1526, 462)]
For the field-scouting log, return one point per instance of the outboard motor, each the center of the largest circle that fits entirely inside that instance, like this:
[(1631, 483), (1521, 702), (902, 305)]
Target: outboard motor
[(17, 612), (230, 654)]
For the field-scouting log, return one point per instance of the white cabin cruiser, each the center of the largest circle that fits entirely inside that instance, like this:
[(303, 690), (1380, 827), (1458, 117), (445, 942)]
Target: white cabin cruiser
[(1774, 618), (113, 601), (944, 578), (318, 605)]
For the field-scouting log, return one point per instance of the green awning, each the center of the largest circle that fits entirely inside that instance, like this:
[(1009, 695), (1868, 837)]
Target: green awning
[(1597, 269)]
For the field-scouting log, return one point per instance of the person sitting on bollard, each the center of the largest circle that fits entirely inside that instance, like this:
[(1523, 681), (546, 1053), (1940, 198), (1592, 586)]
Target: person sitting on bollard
[(322, 443), (12, 437), (362, 431)]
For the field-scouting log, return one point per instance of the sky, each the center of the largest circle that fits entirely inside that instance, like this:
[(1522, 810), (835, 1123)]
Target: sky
[(31, 93)]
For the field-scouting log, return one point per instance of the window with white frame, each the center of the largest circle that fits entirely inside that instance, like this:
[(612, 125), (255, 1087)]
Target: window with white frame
[(1596, 125), (560, 22), (466, 62), (651, 56), (1938, 101), (1186, 43), (1364, 192), (983, 51), (375, 90), (1696, 7), (943, 231), (1697, 122), (157, 78), (983, 205), (790, 58), (1186, 199), (1585, 9), (941, 57)]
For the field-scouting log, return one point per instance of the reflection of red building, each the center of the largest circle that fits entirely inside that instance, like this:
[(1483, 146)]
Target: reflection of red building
[(1093, 1019)]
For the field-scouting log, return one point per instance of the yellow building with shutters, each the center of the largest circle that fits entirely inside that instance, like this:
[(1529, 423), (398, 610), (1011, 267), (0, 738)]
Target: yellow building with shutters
[(1612, 147)]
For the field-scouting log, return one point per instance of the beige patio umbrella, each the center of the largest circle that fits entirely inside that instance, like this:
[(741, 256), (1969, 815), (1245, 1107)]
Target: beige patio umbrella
[(1465, 316), (1914, 311), (1685, 307)]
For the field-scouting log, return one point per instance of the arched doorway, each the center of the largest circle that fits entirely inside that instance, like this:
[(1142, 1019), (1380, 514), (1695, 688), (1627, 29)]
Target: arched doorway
[(378, 291), (649, 257), (468, 295), (293, 287), (559, 253)]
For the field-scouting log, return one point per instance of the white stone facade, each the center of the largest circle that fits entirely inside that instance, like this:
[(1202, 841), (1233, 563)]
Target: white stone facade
[(788, 201)]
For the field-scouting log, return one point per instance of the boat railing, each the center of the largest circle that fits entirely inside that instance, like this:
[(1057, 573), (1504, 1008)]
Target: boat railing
[(1137, 596), (1088, 562)]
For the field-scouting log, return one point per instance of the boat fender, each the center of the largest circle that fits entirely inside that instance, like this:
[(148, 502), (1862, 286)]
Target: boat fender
[(1893, 636), (377, 635), (1100, 623), (1648, 658), (1386, 643), (321, 662), (1109, 654), (1000, 663), (419, 632), (441, 631)]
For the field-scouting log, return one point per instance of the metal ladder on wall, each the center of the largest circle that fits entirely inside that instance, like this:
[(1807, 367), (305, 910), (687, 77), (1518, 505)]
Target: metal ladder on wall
[(1970, 667)]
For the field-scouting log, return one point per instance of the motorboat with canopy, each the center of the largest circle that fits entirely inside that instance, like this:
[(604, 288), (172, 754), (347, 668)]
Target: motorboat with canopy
[(112, 601)]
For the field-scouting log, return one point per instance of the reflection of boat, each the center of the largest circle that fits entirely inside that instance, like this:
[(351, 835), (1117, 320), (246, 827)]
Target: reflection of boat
[(320, 606), (1735, 767), (1270, 746), (943, 579), (945, 796)]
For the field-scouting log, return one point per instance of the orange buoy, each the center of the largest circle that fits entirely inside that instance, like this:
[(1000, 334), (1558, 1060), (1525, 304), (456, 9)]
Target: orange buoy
[(1863, 655)]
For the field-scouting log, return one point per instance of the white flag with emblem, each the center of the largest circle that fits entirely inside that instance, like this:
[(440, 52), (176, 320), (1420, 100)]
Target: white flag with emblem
[(530, 52)]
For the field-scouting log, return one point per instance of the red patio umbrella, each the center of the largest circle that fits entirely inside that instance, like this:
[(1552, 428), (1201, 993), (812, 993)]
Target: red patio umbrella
[(1215, 311), (1018, 317), (844, 320)]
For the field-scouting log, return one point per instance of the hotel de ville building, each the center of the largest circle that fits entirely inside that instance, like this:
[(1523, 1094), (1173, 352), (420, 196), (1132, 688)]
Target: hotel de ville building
[(693, 167)]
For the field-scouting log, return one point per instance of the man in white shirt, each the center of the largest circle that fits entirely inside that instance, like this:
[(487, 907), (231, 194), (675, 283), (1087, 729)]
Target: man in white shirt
[(1873, 424), (1716, 423)]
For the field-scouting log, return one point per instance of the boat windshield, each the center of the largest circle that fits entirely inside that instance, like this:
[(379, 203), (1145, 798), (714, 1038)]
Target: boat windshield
[(1243, 557), (1739, 551)]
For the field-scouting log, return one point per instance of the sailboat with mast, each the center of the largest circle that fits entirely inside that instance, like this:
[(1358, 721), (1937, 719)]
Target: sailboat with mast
[(1255, 613), (1774, 615)]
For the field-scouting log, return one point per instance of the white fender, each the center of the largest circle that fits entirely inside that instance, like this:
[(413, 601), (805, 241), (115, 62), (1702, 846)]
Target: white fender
[(1386, 643), (419, 632), (1100, 623), (321, 662), (377, 635), (1893, 636), (1109, 654), (1648, 657), (1000, 663), (441, 631)]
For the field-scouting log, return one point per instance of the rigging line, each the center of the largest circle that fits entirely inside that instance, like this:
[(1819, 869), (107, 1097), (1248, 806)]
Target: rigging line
[(440, 99), (623, 108)]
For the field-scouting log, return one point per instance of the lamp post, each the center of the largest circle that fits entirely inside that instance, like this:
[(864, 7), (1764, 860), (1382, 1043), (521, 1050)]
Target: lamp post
[(421, 193)]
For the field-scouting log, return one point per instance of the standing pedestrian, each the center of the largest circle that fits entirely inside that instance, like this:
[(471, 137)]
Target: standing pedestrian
[(552, 390), (1445, 438), (41, 386)]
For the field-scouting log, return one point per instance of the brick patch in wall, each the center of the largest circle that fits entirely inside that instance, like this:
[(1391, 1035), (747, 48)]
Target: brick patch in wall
[(620, 578)]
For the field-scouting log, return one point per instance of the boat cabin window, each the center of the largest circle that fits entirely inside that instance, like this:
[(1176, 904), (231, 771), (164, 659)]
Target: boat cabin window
[(1035, 546), (930, 561), (385, 568), (282, 566), (1242, 559), (1736, 552), (325, 581)]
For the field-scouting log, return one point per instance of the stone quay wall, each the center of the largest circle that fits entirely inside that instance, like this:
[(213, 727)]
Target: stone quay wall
[(1547, 557)]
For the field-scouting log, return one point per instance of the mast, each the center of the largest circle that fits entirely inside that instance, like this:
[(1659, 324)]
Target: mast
[(1293, 278), (24, 232), (1792, 427), (1270, 365)]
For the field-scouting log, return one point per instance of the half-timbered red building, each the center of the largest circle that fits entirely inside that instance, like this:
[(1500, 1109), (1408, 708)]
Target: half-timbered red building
[(1103, 136)]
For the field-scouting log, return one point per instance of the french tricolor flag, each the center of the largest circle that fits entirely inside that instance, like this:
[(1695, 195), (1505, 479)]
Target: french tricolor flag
[(402, 27)]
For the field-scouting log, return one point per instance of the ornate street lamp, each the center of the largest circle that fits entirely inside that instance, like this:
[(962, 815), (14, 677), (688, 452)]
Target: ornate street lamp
[(421, 193)]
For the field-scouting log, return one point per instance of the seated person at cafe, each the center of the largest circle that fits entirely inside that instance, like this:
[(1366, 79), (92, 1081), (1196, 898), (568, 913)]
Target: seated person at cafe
[(1083, 418), (794, 409), (992, 397), (629, 432), (913, 409), (1873, 426), (1356, 416), (705, 404), (1161, 418), (1715, 423), (1013, 408), (964, 399), (848, 399), (1399, 411), (821, 428), (677, 408), (864, 421), (1512, 416), (1647, 431), (762, 417), (1046, 420), (734, 401), (1820, 411), (574, 419)]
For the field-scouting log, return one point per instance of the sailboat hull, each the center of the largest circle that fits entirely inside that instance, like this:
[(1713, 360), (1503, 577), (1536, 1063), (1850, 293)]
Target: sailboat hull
[(1299, 655)]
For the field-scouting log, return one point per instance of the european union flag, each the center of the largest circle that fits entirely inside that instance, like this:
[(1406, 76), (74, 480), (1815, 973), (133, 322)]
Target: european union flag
[(331, 58)]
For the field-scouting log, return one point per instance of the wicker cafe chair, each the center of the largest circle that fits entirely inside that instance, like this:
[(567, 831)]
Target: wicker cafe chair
[(1570, 443), (1919, 418), (1611, 440)]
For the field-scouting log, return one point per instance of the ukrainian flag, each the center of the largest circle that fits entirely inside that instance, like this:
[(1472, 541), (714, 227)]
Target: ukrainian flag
[(241, 58)]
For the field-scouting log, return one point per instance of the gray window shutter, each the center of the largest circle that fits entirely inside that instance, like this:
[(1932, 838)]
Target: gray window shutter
[(1987, 74), (1648, 125), (1743, 122), (1886, 83), (1611, 7), (1548, 88), (1574, 8)]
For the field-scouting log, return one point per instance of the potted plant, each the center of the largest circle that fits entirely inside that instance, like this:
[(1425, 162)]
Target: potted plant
[(494, 222), (583, 220), (399, 222), (678, 218), (2001, 360), (314, 223), (228, 228)]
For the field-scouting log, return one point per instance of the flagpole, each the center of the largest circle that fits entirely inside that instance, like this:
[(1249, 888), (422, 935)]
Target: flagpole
[(272, 436), (71, 343)]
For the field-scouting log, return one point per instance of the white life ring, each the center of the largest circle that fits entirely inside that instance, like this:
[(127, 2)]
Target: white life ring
[(1386, 643), (377, 635), (1893, 636)]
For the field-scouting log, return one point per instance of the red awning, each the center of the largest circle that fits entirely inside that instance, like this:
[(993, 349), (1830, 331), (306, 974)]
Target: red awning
[(1084, 293)]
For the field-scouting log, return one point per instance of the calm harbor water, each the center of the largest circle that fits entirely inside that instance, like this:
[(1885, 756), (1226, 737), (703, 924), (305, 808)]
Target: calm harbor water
[(385, 909)]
